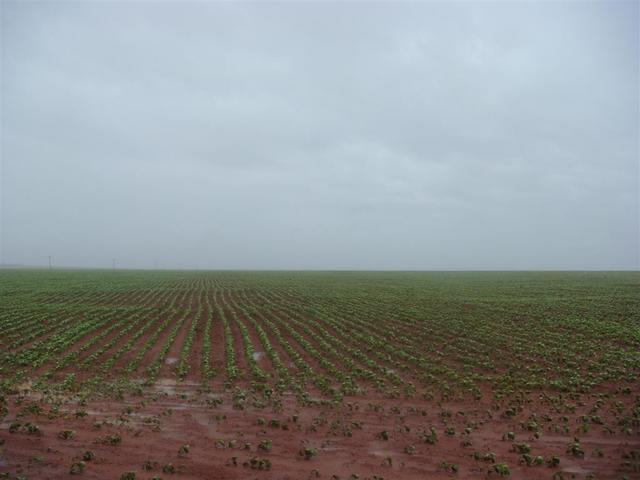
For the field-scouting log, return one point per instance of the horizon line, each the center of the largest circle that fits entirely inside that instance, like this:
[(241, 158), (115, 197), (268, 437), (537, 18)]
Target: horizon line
[(319, 270)]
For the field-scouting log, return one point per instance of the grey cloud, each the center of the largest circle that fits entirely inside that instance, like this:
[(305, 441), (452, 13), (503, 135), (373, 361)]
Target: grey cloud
[(321, 135)]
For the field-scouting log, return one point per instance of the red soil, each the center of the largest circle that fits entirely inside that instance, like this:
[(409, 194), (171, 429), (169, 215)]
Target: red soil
[(184, 418)]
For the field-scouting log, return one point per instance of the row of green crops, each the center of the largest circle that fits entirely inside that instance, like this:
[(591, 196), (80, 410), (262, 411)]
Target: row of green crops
[(444, 335)]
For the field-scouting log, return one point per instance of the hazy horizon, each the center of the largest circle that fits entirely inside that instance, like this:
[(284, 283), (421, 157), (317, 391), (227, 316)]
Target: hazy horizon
[(321, 136), (72, 268)]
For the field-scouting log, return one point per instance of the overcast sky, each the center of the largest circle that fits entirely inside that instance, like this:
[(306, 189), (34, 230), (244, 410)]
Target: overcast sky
[(325, 135)]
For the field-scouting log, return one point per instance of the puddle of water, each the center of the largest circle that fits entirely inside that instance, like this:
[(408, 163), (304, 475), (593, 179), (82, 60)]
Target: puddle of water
[(166, 385), (578, 470), (171, 360), (567, 439), (205, 421), (166, 382), (381, 453), (94, 412), (24, 386), (172, 386), (258, 355)]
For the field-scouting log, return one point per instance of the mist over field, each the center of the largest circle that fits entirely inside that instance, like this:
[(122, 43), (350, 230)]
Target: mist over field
[(320, 135), (320, 240)]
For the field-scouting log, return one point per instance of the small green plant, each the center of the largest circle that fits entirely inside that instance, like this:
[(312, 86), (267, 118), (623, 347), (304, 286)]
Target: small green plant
[(488, 457), (431, 437), (77, 468), (258, 463), (183, 451), (265, 445), (553, 461), (575, 449), (32, 429), (308, 453), (449, 467), (114, 439), (502, 469)]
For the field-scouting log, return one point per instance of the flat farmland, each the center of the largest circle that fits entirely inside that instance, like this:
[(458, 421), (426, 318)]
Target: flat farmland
[(329, 375)]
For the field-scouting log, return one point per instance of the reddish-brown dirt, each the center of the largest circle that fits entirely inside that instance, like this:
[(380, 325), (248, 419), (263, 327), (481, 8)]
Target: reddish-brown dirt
[(368, 437), (348, 438)]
